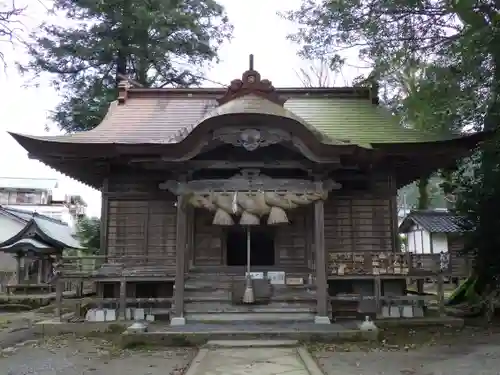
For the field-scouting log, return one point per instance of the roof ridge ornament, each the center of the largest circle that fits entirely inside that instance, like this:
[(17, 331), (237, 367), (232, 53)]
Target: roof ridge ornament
[(123, 87), (251, 83)]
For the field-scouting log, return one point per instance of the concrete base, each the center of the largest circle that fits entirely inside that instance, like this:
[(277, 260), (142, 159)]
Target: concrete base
[(178, 321), (322, 320), (213, 344)]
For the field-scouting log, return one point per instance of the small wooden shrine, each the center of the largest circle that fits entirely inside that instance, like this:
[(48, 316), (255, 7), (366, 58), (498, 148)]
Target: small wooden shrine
[(215, 200), (36, 242)]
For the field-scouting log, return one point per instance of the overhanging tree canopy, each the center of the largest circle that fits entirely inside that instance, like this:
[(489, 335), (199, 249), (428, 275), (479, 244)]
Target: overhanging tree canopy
[(156, 43)]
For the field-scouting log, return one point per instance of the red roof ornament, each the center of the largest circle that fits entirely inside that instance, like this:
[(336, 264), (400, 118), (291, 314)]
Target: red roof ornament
[(251, 83)]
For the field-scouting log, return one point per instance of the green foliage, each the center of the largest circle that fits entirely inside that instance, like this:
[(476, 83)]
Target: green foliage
[(435, 194), (478, 202), (9, 24), (439, 66), (89, 233), (434, 70), (155, 42)]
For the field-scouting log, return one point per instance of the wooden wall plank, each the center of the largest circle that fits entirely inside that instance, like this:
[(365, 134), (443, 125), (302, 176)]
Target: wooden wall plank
[(141, 227), (361, 221)]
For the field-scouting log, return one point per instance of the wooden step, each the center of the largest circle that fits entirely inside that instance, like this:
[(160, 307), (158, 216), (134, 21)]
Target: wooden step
[(224, 306), (226, 297), (267, 317)]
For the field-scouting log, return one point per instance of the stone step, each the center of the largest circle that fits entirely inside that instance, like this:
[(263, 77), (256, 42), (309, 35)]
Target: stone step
[(214, 307), (237, 275), (268, 317), (226, 298), (214, 276), (214, 344)]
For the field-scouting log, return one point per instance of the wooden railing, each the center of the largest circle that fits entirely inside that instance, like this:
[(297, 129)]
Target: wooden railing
[(339, 264), (114, 265), (389, 263)]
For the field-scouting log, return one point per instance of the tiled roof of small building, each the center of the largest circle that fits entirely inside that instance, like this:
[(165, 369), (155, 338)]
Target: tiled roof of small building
[(52, 228), (433, 221)]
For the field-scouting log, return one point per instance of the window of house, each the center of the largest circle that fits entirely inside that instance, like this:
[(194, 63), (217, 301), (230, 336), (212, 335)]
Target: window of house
[(22, 197), (4, 197), (13, 197)]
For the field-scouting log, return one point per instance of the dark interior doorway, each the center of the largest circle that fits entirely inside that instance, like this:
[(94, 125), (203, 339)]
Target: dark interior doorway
[(261, 247)]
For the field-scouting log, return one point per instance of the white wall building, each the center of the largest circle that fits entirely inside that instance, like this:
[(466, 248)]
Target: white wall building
[(42, 196), (429, 231)]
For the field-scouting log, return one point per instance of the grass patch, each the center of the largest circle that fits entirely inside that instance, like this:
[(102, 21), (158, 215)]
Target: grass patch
[(116, 328)]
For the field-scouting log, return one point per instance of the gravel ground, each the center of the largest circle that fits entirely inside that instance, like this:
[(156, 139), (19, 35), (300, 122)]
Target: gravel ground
[(469, 352), (73, 356)]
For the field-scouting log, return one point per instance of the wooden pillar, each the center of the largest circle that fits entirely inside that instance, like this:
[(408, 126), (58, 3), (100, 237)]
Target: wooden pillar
[(18, 268), (180, 249), (321, 282), (40, 265), (59, 296), (104, 218), (123, 300), (189, 238), (26, 269), (309, 238), (48, 269), (440, 294), (377, 291)]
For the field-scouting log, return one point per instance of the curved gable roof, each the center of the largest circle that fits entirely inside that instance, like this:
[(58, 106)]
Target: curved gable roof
[(52, 230)]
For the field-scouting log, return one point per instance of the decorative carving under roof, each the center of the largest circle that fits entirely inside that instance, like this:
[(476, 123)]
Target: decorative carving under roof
[(251, 83), (251, 138)]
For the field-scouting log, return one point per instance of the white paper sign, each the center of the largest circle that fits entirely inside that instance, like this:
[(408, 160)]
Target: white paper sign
[(276, 277), (255, 275)]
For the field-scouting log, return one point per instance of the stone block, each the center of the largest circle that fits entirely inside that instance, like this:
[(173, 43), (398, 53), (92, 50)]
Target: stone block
[(138, 314), (100, 315), (394, 312), (178, 321), (407, 311), (110, 315), (128, 313), (91, 315), (321, 320)]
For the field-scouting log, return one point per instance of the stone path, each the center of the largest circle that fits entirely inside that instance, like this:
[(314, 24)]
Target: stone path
[(258, 359)]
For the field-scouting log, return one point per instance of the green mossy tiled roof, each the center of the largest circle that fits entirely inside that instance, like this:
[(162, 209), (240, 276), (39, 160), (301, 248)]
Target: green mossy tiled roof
[(355, 120), (164, 120)]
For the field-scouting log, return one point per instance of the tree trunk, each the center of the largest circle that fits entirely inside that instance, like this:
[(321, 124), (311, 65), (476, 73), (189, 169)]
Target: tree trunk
[(423, 193)]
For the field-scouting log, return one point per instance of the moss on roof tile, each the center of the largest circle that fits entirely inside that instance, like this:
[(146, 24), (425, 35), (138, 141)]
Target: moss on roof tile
[(355, 120)]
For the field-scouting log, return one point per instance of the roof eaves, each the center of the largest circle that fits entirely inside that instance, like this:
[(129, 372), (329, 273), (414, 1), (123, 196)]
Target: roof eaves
[(14, 214), (63, 240)]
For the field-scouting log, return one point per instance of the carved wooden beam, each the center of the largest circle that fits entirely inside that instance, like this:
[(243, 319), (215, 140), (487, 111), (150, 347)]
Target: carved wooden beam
[(249, 180), (252, 138), (225, 164)]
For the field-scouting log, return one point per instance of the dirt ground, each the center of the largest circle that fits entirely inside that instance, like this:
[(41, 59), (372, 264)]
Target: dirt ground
[(418, 351), (72, 356), (471, 351)]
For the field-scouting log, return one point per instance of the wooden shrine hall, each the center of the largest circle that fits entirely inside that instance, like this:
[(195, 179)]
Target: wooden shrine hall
[(248, 202)]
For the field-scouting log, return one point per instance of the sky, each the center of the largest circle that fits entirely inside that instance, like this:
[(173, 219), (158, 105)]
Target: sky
[(258, 31)]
